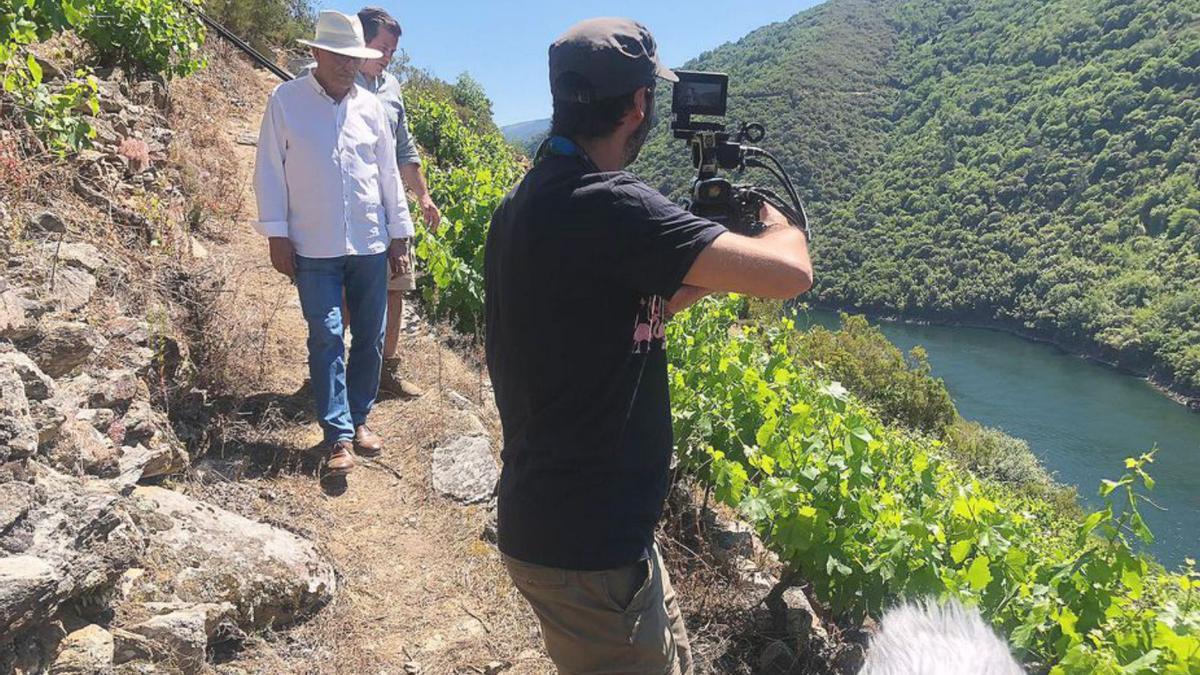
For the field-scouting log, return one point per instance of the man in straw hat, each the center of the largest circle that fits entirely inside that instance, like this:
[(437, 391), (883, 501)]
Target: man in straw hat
[(331, 202)]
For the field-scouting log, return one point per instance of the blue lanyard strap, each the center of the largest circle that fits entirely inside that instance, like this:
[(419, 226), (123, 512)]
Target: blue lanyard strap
[(561, 146)]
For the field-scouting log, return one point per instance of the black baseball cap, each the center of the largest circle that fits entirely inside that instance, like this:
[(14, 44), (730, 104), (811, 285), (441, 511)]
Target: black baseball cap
[(602, 58)]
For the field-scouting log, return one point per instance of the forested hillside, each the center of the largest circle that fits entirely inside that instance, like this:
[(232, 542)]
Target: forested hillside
[(1021, 161)]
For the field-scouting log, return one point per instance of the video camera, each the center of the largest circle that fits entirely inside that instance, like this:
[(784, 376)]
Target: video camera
[(714, 148)]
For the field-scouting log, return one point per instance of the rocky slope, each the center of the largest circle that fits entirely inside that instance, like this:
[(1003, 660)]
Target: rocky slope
[(102, 567)]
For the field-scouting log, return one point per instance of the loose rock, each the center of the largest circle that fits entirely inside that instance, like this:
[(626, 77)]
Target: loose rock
[(27, 589), (47, 222), (733, 540), (465, 469), (179, 636), (162, 452), (100, 419), (15, 323), (86, 651), (803, 626), (78, 255), (38, 385), (776, 659), (64, 346), (129, 646), (16, 499), (18, 434), (117, 390), (80, 532), (136, 463), (72, 288)]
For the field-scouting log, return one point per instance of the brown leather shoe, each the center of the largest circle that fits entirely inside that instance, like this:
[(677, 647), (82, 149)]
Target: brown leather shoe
[(366, 442), (340, 459), (393, 384)]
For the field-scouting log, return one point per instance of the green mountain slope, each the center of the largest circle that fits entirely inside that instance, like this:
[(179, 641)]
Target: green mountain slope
[(1025, 162)]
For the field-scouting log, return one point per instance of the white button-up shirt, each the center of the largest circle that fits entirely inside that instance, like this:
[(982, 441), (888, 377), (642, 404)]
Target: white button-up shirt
[(326, 175)]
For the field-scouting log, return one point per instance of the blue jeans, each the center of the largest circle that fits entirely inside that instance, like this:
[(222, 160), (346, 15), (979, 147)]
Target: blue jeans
[(344, 393)]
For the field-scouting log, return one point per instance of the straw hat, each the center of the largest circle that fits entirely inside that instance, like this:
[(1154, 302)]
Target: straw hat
[(341, 34)]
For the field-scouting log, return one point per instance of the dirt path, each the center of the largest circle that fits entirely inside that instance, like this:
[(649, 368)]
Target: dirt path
[(420, 591)]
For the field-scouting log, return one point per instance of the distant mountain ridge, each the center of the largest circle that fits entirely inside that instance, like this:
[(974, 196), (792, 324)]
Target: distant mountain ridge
[(1032, 164), (522, 133)]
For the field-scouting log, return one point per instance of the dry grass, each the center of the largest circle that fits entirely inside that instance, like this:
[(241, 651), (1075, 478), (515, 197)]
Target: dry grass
[(205, 108)]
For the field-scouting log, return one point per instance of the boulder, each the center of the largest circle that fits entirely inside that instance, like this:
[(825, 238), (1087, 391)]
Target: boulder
[(205, 554), (465, 469), (64, 346), (18, 434), (86, 651), (28, 590)]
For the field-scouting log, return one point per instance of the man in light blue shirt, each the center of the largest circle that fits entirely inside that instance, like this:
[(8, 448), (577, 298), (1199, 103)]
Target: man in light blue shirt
[(382, 33)]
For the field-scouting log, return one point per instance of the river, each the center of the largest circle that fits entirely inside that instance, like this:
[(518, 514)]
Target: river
[(1082, 419)]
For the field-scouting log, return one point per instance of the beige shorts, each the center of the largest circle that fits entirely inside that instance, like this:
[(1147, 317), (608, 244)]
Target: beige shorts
[(402, 282), (624, 620)]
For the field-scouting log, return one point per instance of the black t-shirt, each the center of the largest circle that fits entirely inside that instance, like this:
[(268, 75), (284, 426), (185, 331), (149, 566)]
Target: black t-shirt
[(578, 266)]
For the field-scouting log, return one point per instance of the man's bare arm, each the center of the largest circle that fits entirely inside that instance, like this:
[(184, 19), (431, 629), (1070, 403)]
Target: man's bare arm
[(414, 180), (774, 264)]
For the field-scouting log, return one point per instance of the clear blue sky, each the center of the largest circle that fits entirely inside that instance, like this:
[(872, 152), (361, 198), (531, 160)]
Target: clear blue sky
[(503, 44)]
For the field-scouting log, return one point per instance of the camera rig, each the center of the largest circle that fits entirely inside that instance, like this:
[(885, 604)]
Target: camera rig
[(735, 206)]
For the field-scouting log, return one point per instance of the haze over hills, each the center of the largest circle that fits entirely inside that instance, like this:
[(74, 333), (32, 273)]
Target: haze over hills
[(1027, 163), (524, 133)]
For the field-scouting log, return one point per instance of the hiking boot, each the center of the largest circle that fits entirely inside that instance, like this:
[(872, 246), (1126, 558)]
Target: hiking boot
[(340, 459), (393, 384), (367, 443)]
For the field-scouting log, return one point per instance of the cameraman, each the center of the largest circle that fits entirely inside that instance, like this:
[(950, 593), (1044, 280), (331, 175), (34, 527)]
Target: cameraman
[(580, 261)]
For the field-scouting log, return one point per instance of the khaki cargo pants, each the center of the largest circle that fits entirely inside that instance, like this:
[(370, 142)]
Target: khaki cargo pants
[(623, 621)]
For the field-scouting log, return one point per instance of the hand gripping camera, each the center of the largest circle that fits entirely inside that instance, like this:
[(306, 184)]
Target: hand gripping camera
[(713, 148)]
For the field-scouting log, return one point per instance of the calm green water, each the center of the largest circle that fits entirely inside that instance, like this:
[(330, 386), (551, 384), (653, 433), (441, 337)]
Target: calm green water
[(1082, 419)]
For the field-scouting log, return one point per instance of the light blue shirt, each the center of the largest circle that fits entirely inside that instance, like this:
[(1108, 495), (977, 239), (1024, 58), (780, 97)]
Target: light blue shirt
[(387, 88)]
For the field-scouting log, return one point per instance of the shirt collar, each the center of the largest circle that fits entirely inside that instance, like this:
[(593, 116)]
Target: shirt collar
[(312, 81)]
